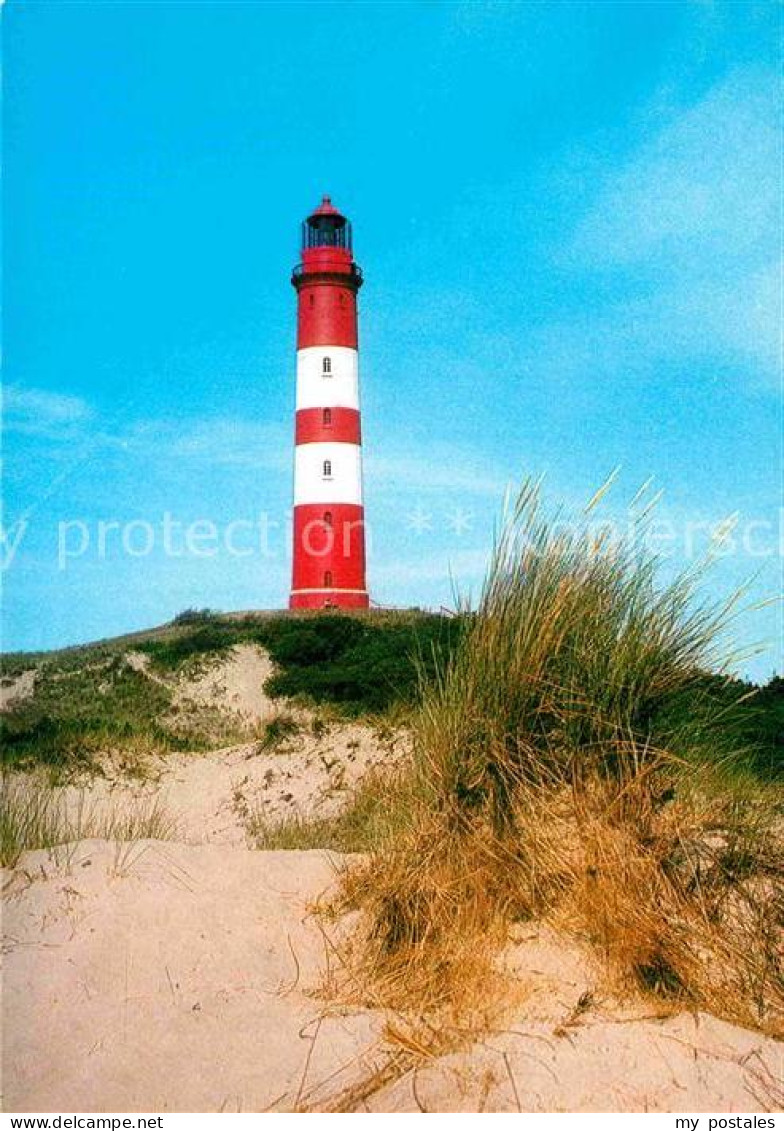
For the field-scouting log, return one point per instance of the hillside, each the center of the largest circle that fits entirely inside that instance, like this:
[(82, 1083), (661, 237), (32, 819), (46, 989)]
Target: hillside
[(61, 707), (181, 817)]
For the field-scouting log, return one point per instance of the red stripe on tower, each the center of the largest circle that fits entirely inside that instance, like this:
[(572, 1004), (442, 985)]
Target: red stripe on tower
[(328, 567), (340, 424)]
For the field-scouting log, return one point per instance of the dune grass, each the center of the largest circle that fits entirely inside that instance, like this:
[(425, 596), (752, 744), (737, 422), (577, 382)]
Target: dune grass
[(89, 701), (83, 705), (277, 732), (573, 762), (34, 813)]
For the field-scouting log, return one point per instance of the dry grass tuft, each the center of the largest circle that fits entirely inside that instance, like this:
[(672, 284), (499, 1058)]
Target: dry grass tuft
[(570, 764)]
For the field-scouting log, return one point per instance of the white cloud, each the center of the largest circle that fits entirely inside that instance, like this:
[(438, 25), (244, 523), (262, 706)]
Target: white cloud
[(706, 179), (694, 213), (220, 441), (35, 412), (213, 441), (735, 325)]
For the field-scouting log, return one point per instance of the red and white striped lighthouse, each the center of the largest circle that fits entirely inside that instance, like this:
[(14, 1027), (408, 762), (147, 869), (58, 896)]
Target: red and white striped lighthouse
[(329, 532)]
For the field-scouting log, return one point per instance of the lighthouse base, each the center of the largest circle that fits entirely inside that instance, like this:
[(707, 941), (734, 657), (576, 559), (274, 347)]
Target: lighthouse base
[(329, 599)]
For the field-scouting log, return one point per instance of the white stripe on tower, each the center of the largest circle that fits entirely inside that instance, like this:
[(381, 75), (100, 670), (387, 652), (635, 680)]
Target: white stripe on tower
[(339, 386), (327, 473)]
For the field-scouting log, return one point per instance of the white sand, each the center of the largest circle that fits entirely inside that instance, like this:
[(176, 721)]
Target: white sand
[(683, 1064), (235, 684), (212, 795), (174, 979), (232, 683)]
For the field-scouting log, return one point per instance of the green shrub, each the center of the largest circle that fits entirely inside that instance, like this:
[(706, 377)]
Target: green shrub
[(195, 616), (297, 642), (173, 652), (90, 700), (363, 664), (736, 716), (359, 665), (81, 708)]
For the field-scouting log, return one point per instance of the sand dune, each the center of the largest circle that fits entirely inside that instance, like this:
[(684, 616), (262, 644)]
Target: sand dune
[(190, 975), (172, 977)]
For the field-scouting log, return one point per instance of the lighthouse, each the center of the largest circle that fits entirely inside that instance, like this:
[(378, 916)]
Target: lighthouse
[(329, 522)]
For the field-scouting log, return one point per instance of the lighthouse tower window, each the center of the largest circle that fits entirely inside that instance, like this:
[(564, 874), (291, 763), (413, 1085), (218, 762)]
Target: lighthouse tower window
[(327, 417), (327, 579), (327, 468), (327, 518), (326, 366)]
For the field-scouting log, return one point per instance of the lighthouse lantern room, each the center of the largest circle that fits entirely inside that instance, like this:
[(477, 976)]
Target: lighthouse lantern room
[(329, 522)]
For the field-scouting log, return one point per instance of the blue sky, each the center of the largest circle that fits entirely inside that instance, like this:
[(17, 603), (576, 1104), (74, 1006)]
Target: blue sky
[(568, 216)]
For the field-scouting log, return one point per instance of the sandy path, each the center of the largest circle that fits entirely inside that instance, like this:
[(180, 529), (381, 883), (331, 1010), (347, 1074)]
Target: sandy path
[(236, 684), (231, 683), (214, 793), (169, 984), (210, 796)]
